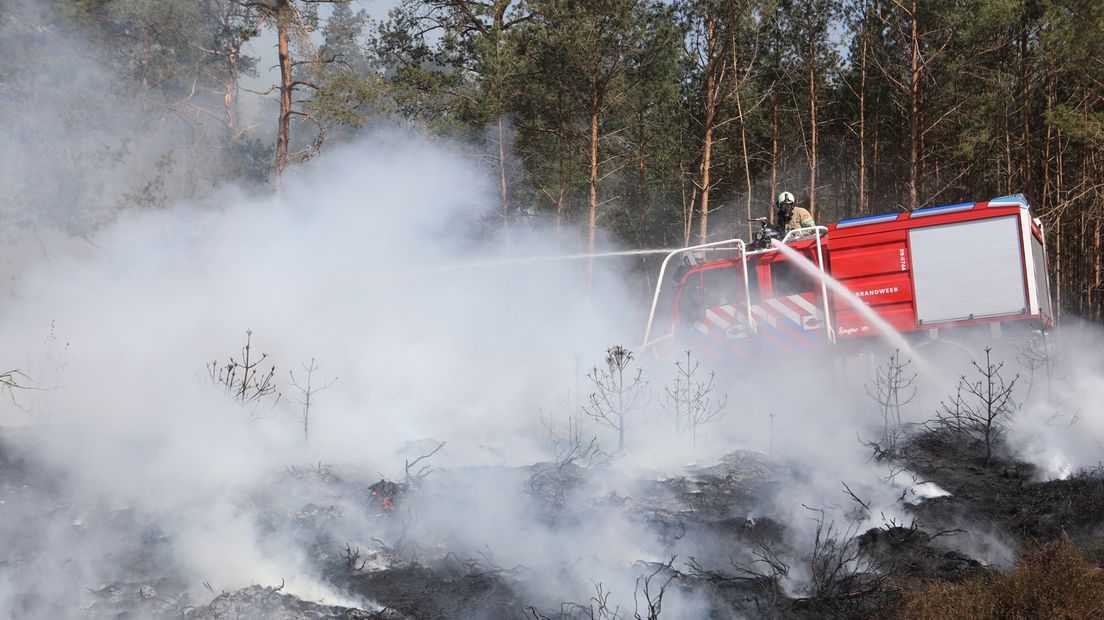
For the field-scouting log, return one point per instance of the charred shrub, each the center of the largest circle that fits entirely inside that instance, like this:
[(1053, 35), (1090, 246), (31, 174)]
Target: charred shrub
[(891, 389), (690, 398), (981, 407), (617, 398), (245, 381)]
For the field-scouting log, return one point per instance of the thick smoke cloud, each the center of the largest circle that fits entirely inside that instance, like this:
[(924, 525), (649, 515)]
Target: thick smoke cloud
[(356, 266)]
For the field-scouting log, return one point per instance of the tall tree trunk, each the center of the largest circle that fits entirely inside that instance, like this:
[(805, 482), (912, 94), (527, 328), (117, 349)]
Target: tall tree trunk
[(230, 95), (1048, 150), (1085, 296), (774, 159), (862, 108), (810, 62), (561, 170), (747, 163), (914, 106), (283, 17), (1059, 203), (592, 214), (872, 181), (706, 166), (503, 187), (1026, 176), (1058, 272), (642, 179), (1008, 168), (1097, 283), (713, 76)]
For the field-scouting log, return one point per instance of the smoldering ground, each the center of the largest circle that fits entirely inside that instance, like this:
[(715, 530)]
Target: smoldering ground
[(145, 487)]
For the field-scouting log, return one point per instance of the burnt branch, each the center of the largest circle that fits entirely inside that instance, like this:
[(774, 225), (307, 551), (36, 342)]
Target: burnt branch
[(647, 597), (570, 441), (307, 388), (353, 563), (9, 382), (598, 607), (765, 572), (864, 507), (425, 469), (841, 576)]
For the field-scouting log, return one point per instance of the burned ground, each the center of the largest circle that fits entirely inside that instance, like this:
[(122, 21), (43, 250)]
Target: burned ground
[(1004, 495), (268, 603), (719, 538)]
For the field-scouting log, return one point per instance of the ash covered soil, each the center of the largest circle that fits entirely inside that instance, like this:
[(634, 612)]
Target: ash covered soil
[(359, 547)]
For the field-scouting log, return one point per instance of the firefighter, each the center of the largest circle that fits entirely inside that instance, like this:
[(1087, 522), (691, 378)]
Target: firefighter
[(792, 217)]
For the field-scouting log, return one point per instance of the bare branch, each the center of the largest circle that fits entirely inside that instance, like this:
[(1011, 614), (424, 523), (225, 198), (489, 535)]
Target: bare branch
[(425, 469)]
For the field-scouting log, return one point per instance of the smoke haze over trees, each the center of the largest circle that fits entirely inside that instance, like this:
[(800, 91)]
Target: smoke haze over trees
[(663, 122)]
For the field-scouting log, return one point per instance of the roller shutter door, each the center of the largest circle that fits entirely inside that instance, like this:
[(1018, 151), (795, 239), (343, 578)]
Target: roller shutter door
[(968, 269)]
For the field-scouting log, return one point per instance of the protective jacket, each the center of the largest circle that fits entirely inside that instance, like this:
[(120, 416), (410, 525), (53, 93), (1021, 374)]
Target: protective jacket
[(800, 218)]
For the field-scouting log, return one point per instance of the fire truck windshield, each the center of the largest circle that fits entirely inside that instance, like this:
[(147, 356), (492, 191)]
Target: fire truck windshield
[(725, 286), (713, 287)]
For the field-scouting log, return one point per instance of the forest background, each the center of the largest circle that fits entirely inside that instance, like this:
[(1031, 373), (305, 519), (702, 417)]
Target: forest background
[(660, 123)]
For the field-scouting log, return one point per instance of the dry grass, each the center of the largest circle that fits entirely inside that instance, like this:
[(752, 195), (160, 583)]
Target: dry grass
[(1053, 581)]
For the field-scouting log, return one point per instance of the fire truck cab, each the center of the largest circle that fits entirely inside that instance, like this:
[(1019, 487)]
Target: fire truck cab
[(925, 273)]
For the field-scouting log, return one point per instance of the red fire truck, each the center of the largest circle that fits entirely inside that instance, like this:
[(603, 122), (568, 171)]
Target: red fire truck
[(929, 274)]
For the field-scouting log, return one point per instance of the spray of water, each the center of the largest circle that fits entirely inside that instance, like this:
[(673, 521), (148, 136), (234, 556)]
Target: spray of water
[(886, 330), (526, 260)]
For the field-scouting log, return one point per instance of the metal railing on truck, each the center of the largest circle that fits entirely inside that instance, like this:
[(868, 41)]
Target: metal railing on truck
[(739, 244)]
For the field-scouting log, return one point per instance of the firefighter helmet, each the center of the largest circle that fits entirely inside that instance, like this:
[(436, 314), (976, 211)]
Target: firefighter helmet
[(785, 198)]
